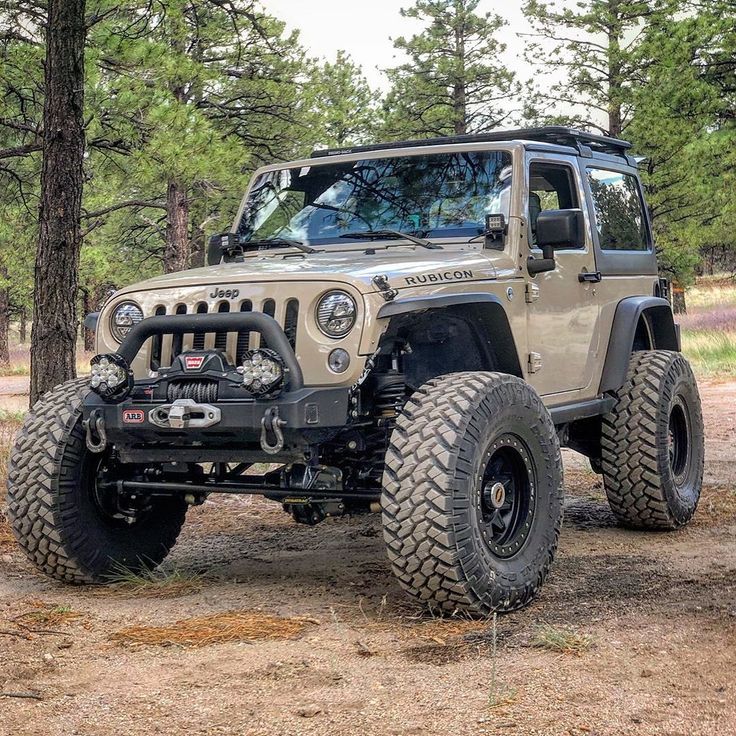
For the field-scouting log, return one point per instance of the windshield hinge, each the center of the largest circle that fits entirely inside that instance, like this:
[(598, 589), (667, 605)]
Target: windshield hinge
[(381, 283)]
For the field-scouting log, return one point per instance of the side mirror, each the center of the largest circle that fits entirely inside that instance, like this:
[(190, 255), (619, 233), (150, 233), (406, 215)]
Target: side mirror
[(556, 229), (222, 244), (561, 229)]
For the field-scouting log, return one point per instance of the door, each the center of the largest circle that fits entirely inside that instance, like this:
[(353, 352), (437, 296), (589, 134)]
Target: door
[(563, 305)]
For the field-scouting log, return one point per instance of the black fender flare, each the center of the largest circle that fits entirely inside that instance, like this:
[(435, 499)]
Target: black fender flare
[(662, 328), (490, 318)]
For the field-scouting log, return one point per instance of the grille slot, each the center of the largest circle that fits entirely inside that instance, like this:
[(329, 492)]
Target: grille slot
[(199, 337), (269, 308), (157, 344), (243, 342), (291, 321), (167, 347), (177, 341), (221, 337)]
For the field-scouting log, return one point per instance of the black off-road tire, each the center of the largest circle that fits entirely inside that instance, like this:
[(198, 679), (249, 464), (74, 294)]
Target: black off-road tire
[(438, 542), (653, 443), (51, 507)]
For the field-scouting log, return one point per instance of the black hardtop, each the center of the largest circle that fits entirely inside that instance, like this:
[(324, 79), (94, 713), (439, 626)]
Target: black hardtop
[(585, 144)]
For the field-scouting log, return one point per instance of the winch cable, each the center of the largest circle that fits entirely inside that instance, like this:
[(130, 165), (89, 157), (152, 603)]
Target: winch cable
[(200, 391)]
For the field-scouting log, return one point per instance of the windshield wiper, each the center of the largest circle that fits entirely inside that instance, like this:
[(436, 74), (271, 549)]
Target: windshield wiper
[(280, 242), (377, 234)]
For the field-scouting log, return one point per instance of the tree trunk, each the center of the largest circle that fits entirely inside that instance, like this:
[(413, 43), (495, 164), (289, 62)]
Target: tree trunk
[(678, 300), (23, 329), (178, 247), (87, 335), (4, 321), (459, 92), (615, 84), (199, 247), (54, 332)]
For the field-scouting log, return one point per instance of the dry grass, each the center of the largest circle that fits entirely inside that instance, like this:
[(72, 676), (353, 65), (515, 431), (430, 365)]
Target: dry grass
[(711, 352), (153, 583), (219, 628), (7, 540), (709, 328), (47, 615), (717, 505), (711, 293), (443, 630), (20, 361), (9, 424), (561, 640)]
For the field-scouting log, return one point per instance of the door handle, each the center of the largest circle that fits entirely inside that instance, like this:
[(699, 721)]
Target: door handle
[(593, 277)]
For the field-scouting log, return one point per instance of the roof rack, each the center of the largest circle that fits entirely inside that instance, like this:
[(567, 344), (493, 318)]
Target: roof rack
[(586, 143)]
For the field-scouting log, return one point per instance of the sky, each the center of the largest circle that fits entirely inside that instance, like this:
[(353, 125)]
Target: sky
[(364, 29)]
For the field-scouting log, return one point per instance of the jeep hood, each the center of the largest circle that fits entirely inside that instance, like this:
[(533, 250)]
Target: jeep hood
[(404, 267)]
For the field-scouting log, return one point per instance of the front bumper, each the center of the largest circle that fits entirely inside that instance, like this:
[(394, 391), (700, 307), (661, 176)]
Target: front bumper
[(233, 424), (309, 415)]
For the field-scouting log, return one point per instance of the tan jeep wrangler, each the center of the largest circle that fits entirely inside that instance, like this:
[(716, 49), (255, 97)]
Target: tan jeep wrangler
[(414, 328)]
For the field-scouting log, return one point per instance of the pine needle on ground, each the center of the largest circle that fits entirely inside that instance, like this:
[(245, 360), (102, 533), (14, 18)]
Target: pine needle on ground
[(219, 628)]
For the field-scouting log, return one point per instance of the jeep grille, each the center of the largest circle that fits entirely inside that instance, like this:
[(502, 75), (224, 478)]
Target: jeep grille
[(165, 348)]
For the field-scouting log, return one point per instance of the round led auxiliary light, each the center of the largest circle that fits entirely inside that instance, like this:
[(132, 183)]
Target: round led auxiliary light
[(263, 371), (110, 376)]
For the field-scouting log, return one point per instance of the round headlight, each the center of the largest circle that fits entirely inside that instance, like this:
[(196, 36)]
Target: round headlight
[(124, 317), (336, 313)]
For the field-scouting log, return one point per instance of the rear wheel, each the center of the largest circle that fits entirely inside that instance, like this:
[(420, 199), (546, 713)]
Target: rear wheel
[(653, 443), (472, 499), (62, 511)]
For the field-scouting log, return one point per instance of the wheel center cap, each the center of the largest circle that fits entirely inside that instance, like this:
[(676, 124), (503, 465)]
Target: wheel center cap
[(498, 495)]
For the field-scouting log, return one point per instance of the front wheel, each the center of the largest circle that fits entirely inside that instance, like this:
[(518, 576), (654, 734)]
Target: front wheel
[(63, 519), (472, 493)]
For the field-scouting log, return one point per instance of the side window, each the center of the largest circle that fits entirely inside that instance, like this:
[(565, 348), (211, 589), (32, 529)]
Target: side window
[(619, 210), (551, 187)]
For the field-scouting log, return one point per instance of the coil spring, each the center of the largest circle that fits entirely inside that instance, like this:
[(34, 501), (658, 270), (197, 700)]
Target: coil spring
[(199, 391), (389, 399)]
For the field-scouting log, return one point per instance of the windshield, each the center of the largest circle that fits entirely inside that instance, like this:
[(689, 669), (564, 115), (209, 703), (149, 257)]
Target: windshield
[(442, 195)]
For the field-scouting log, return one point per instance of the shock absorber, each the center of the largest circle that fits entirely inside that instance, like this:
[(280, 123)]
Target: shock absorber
[(389, 390)]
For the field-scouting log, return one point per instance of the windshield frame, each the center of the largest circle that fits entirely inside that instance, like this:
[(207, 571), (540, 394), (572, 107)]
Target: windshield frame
[(516, 149)]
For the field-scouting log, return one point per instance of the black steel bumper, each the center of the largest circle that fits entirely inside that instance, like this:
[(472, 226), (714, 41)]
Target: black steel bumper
[(235, 421), (307, 408)]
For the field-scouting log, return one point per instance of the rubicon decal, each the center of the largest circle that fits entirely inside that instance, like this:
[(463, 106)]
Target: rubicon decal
[(133, 416), (193, 362), (434, 278)]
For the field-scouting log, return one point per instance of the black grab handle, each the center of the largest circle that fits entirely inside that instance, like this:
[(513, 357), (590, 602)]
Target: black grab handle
[(182, 324)]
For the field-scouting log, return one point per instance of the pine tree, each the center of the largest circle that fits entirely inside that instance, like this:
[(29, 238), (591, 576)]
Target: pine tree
[(684, 126), (343, 106), (593, 51), (454, 81), (211, 85), (53, 339)]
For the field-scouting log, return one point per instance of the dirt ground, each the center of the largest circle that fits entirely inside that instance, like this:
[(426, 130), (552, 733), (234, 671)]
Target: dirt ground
[(655, 613)]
